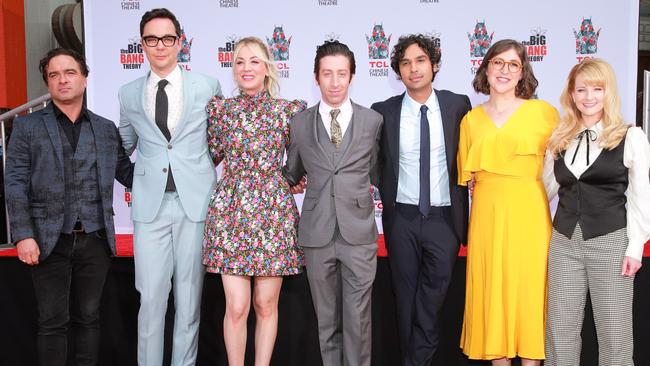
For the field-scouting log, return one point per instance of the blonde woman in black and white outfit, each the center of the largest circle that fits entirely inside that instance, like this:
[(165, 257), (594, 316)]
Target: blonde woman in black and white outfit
[(599, 167)]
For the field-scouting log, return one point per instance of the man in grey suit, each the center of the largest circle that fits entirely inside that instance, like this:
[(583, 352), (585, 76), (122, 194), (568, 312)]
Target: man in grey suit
[(335, 143), (61, 165), (163, 114)]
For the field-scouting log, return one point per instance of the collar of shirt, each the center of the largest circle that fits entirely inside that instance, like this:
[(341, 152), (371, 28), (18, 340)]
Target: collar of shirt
[(175, 79), (59, 114), (412, 107), (174, 92), (344, 117), (575, 156)]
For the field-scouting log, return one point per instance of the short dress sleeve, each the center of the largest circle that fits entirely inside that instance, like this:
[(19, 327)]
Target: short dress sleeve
[(215, 118)]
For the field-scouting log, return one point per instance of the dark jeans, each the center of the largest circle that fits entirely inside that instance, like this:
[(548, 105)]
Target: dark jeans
[(68, 286)]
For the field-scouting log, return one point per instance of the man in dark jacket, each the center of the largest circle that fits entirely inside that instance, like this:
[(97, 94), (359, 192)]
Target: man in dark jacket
[(61, 165)]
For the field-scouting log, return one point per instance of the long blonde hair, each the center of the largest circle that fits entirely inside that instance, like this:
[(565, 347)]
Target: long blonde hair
[(595, 72), (259, 49)]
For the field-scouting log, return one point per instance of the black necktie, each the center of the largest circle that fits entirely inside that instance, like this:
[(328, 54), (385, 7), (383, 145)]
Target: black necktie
[(425, 201), (162, 108)]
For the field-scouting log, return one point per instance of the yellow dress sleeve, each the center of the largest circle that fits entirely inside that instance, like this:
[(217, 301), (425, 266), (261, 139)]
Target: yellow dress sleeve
[(464, 145)]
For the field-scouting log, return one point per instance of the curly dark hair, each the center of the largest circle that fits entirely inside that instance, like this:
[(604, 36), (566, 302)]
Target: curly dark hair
[(334, 48), (525, 87), (427, 44), (45, 61), (159, 13)]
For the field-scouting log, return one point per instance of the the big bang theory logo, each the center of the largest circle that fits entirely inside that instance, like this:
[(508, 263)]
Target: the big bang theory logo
[(132, 56), (536, 45), (225, 52)]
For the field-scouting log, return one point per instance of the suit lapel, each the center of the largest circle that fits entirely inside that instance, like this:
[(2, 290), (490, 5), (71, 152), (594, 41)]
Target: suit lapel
[(354, 129), (52, 126), (188, 101), (140, 92), (314, 133), (447, 128), (101, 142), (391, 124)]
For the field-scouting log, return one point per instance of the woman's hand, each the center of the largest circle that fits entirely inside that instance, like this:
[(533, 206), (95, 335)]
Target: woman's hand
[(470, 185), (630, 266)]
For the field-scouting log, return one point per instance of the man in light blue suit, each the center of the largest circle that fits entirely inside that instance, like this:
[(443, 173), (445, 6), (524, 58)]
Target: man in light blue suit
[(163, 115)]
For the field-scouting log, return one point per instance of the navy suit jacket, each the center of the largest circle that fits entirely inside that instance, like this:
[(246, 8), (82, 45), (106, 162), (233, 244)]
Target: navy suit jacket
[(34, 179), (453, 108)]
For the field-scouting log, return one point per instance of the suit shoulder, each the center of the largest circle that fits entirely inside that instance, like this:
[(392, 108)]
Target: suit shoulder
[(300, 117), (131, 84), (369, 114), (101, 119), (383, 105)]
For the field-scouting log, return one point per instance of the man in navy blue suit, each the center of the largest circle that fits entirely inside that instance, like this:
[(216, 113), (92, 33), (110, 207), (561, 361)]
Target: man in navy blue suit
[(425, 210), (61, 165)]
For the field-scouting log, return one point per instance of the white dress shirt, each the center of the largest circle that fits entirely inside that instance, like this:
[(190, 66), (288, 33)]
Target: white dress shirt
[(174, 92), (408, 185), (636, 157), (344, 117)]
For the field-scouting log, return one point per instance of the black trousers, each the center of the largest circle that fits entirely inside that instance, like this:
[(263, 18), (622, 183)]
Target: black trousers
[(68, 286), (421, 252)]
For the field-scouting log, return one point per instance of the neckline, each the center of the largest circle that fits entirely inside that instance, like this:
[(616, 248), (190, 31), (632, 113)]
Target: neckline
[(507, 119)]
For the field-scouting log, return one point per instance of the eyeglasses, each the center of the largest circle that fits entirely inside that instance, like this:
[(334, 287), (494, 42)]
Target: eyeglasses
[(499, 64), (152, 41)]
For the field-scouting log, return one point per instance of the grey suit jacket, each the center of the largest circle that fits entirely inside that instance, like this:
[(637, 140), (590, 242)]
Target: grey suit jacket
[(337, 193), (34, 181)]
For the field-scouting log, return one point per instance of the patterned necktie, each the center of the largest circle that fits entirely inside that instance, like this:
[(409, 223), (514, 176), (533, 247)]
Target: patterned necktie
[(424, 204), (335, 128), (162, 108)]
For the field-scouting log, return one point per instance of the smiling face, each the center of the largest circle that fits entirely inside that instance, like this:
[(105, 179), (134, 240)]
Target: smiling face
[(250, 71), (503, 81), (162, 59), (589, 99), (416, 71), (334, 79), (65, 81)]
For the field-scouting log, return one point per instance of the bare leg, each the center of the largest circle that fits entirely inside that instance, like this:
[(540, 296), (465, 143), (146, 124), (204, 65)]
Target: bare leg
[(529, 362), (265, 301), (501, 362), (238, 302)]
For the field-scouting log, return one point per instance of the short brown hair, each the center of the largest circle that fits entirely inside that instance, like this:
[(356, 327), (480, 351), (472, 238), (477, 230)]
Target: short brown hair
[(45, 61), (525, 87)]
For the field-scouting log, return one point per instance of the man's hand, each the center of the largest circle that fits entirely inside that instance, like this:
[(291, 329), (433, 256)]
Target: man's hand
[(28, 251), (300, 187)]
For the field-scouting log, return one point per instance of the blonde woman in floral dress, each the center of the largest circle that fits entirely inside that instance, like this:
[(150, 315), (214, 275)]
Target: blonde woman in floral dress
[(252, 217)]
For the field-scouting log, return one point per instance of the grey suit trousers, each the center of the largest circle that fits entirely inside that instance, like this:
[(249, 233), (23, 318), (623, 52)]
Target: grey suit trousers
[(340, 278)]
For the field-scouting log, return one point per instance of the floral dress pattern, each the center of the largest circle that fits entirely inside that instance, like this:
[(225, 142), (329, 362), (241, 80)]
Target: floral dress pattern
[(252, 221)]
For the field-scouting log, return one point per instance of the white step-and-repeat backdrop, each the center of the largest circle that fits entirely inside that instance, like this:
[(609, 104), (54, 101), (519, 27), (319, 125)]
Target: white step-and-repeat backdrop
[(558, 33)]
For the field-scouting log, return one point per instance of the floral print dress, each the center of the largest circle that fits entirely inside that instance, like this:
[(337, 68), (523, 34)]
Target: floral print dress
[(252, 221)]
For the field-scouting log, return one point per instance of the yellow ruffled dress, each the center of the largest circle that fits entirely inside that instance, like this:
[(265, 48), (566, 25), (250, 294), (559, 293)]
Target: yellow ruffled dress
[(509, 232)]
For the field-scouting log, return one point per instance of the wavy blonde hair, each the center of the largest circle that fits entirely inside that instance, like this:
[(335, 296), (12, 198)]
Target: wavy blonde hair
[(259, 49), (595, 72)]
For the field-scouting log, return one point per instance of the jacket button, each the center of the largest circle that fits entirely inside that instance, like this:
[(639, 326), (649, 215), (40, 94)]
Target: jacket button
[(164, 170), (336, 172), (332, 195), (169, 146)]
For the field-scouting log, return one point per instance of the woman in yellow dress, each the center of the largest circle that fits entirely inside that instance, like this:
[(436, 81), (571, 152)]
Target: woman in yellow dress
[(501, 153)]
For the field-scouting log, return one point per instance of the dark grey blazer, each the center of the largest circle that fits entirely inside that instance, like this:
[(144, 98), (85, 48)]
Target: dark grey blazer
[(453, 108), (34, 180), (351, 205)]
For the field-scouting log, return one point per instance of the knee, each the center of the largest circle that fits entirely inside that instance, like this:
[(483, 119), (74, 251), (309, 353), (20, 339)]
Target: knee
[(265, 307), (237, 311)]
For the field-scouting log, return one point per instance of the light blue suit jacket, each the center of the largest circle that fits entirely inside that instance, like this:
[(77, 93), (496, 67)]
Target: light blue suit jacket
[(186, 153)]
